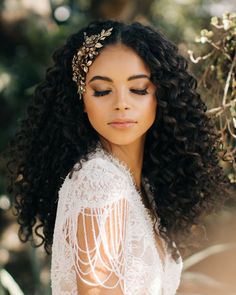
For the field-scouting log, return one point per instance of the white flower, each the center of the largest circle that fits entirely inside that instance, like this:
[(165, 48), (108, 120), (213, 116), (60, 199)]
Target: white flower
[(227, 24)]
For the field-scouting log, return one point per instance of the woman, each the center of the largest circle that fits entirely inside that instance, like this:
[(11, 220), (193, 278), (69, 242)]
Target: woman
[(117, 161)]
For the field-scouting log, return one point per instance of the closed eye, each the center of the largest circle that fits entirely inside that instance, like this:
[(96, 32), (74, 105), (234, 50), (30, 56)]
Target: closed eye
[(101, 93), (135, 91), (139, 91)]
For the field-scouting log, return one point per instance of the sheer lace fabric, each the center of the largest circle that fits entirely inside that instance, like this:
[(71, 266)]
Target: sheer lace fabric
[(103, 236)]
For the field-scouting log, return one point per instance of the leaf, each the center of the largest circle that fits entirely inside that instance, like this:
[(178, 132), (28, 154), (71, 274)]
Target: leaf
[(98, 45), (108, 32)]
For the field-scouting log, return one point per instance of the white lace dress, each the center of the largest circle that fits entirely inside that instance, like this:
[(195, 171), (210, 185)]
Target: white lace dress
[(104, 235)]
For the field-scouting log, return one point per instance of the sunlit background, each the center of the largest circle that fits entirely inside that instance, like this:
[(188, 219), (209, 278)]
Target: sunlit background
[(31, 30)]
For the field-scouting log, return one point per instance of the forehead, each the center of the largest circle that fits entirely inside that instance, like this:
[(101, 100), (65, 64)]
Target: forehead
[(118, 59)]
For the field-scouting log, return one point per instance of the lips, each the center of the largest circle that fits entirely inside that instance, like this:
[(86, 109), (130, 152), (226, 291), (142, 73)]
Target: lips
[(122, 121)]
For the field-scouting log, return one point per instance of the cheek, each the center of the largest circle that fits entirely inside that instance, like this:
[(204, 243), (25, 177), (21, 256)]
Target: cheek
[(91, 108), (150, 109), (95, 113)]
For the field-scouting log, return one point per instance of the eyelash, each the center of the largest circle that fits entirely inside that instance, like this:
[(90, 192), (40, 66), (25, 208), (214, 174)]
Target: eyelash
[(136, 91)]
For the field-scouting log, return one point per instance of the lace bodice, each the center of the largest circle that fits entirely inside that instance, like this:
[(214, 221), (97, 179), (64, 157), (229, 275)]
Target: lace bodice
[(104, 237)]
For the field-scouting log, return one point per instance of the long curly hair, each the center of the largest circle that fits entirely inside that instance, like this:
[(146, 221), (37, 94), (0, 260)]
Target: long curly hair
[(181, 149)]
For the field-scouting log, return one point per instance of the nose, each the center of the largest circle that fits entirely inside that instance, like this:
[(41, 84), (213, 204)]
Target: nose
[(121, 101)]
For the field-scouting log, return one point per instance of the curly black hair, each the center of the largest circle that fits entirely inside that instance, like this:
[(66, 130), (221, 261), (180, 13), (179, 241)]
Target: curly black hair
[(181, 159)]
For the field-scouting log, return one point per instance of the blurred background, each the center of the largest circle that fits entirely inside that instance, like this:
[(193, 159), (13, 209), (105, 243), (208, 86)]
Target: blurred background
[(204, 31)]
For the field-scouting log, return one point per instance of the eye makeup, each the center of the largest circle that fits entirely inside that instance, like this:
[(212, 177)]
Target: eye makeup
[(106, 92)]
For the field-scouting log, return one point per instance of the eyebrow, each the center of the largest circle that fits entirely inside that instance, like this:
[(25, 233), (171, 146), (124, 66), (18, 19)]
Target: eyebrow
[(140, 76)]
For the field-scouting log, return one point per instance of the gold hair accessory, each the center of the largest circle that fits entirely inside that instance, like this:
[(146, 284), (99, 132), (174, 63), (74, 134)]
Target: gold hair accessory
[(85, 56)]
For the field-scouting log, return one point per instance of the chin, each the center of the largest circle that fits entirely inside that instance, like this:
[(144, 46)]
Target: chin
[(122, 140)]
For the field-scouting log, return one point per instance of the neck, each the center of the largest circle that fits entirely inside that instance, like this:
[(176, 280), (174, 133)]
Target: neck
[(131, 155)]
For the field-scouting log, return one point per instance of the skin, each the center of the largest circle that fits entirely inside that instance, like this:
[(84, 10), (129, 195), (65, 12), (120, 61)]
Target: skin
[(125, 73)]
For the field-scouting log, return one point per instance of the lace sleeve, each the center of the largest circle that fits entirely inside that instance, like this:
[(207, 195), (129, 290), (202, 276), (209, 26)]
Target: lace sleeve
[(96, 230)]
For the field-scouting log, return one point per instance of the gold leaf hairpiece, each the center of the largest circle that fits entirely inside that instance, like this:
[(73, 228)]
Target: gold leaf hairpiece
[(84, 58)]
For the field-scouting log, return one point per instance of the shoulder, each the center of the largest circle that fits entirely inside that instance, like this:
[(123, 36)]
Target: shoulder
[(98, 181)]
